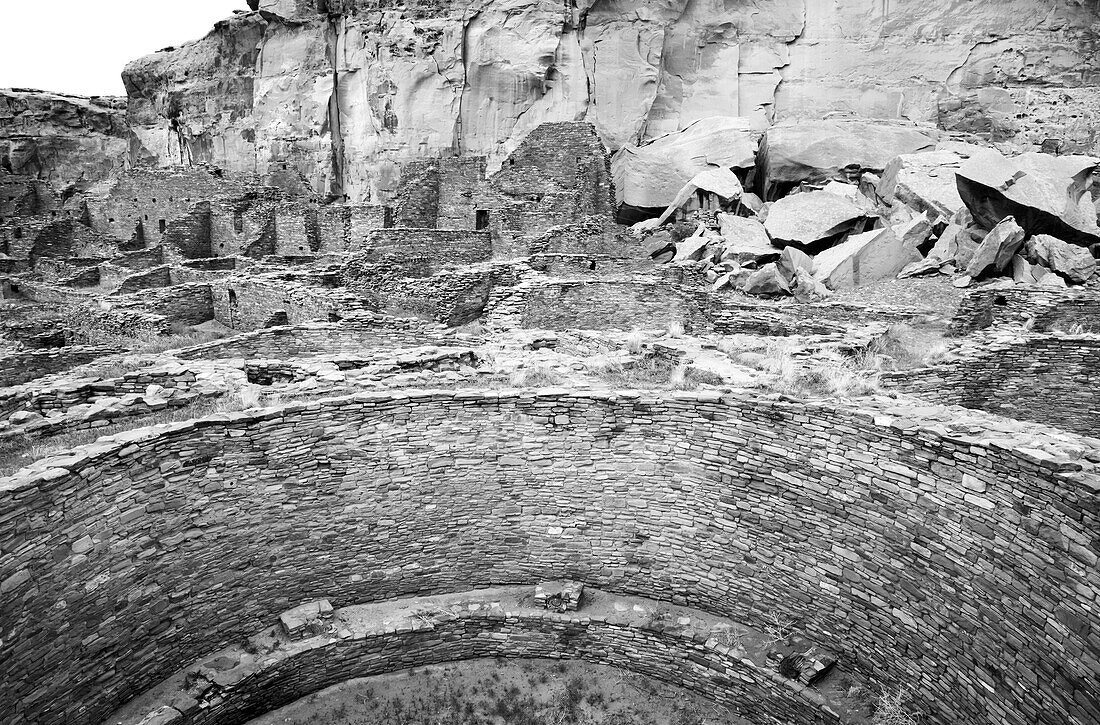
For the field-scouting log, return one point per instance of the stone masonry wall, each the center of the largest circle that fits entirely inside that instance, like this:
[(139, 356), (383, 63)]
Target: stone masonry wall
[(324, 338), (963, 569), (22, 367), (1051, 380), (1043, 308), (443, 247), (376, 639)]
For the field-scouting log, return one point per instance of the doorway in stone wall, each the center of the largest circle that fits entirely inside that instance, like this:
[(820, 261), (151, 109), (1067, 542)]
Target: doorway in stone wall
[(481, 219)]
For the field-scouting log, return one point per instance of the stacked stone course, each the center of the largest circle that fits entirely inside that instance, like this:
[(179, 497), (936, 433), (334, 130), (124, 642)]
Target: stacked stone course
[(965, 567)]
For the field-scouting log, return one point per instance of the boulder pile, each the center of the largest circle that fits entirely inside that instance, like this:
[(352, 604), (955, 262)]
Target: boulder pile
[(933, 208)]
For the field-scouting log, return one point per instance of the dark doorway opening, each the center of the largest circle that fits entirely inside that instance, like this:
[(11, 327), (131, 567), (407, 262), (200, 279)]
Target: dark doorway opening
[(387, 217), (481, 221)]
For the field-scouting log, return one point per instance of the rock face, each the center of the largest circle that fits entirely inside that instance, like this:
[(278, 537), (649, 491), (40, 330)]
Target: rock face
[(342, 92), (51, 144)]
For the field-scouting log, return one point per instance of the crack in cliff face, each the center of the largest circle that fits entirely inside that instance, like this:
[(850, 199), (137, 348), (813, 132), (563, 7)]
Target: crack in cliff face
[(456, 142), (336, 181), (774, 116)]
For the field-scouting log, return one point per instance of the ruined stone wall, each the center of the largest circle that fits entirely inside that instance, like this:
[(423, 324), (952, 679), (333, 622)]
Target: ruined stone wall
[(962, 569), (452, 297), (189, 304), (248, 303), (1042, 308), (151, 196), (623, 640), (459, 180), (329, 339), (444, 247), (598, 304), (417, 202), (191, 236), (149, 279), (1045, 379), (22, 367), (342, 225)]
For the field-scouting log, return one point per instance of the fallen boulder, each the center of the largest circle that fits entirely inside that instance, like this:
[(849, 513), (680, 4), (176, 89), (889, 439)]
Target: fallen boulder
[(791, 261), (862, 259), (807, 289), (1074, 263), (1045, 194), (995, 252), (649, 176), (806, 219), (926, 180), (767, 281), (1023, 272), (816, 151), (746, 241), (693, 248)]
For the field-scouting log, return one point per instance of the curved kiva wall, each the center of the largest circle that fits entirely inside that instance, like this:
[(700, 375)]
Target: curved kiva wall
[(965, 569), (236, 684), (1042, 378)]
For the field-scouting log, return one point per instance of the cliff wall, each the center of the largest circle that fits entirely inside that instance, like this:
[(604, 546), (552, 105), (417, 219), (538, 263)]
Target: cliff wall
[(341, 92)]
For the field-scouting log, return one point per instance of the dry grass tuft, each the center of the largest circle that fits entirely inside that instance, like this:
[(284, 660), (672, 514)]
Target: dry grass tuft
[(537, 376), (904, 347), (890, 709), (635, 342)]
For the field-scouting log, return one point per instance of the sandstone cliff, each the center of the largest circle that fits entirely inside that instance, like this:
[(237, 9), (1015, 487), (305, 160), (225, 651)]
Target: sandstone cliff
[(61, 139), (53, 144), (337, 93)]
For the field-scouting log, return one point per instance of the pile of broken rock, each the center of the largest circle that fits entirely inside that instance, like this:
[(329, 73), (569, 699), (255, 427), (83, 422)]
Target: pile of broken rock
[(957, 209)]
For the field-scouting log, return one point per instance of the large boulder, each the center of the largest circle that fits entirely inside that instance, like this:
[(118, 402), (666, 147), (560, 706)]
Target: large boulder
[(767, 281), (1074, 263), (651, 175), (1045, 194), (995, 252), (805, 219), (746, 241), (926, 180), (862, 259), (816, 151)]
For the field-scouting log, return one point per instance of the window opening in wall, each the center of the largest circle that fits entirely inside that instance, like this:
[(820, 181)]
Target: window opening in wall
[(18, 232), (232, 297), (1000, 300), (238, 222), (163, 226), (278, 319), (333, 317), (511, 162), (481, 220), (387, 217)]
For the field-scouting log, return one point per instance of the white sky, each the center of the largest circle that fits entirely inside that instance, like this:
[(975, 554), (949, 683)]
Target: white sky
[(80, 46)]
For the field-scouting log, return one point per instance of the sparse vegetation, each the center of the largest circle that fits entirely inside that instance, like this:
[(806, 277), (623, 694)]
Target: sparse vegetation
[(538, 375), (903, 347), (890, 708)]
